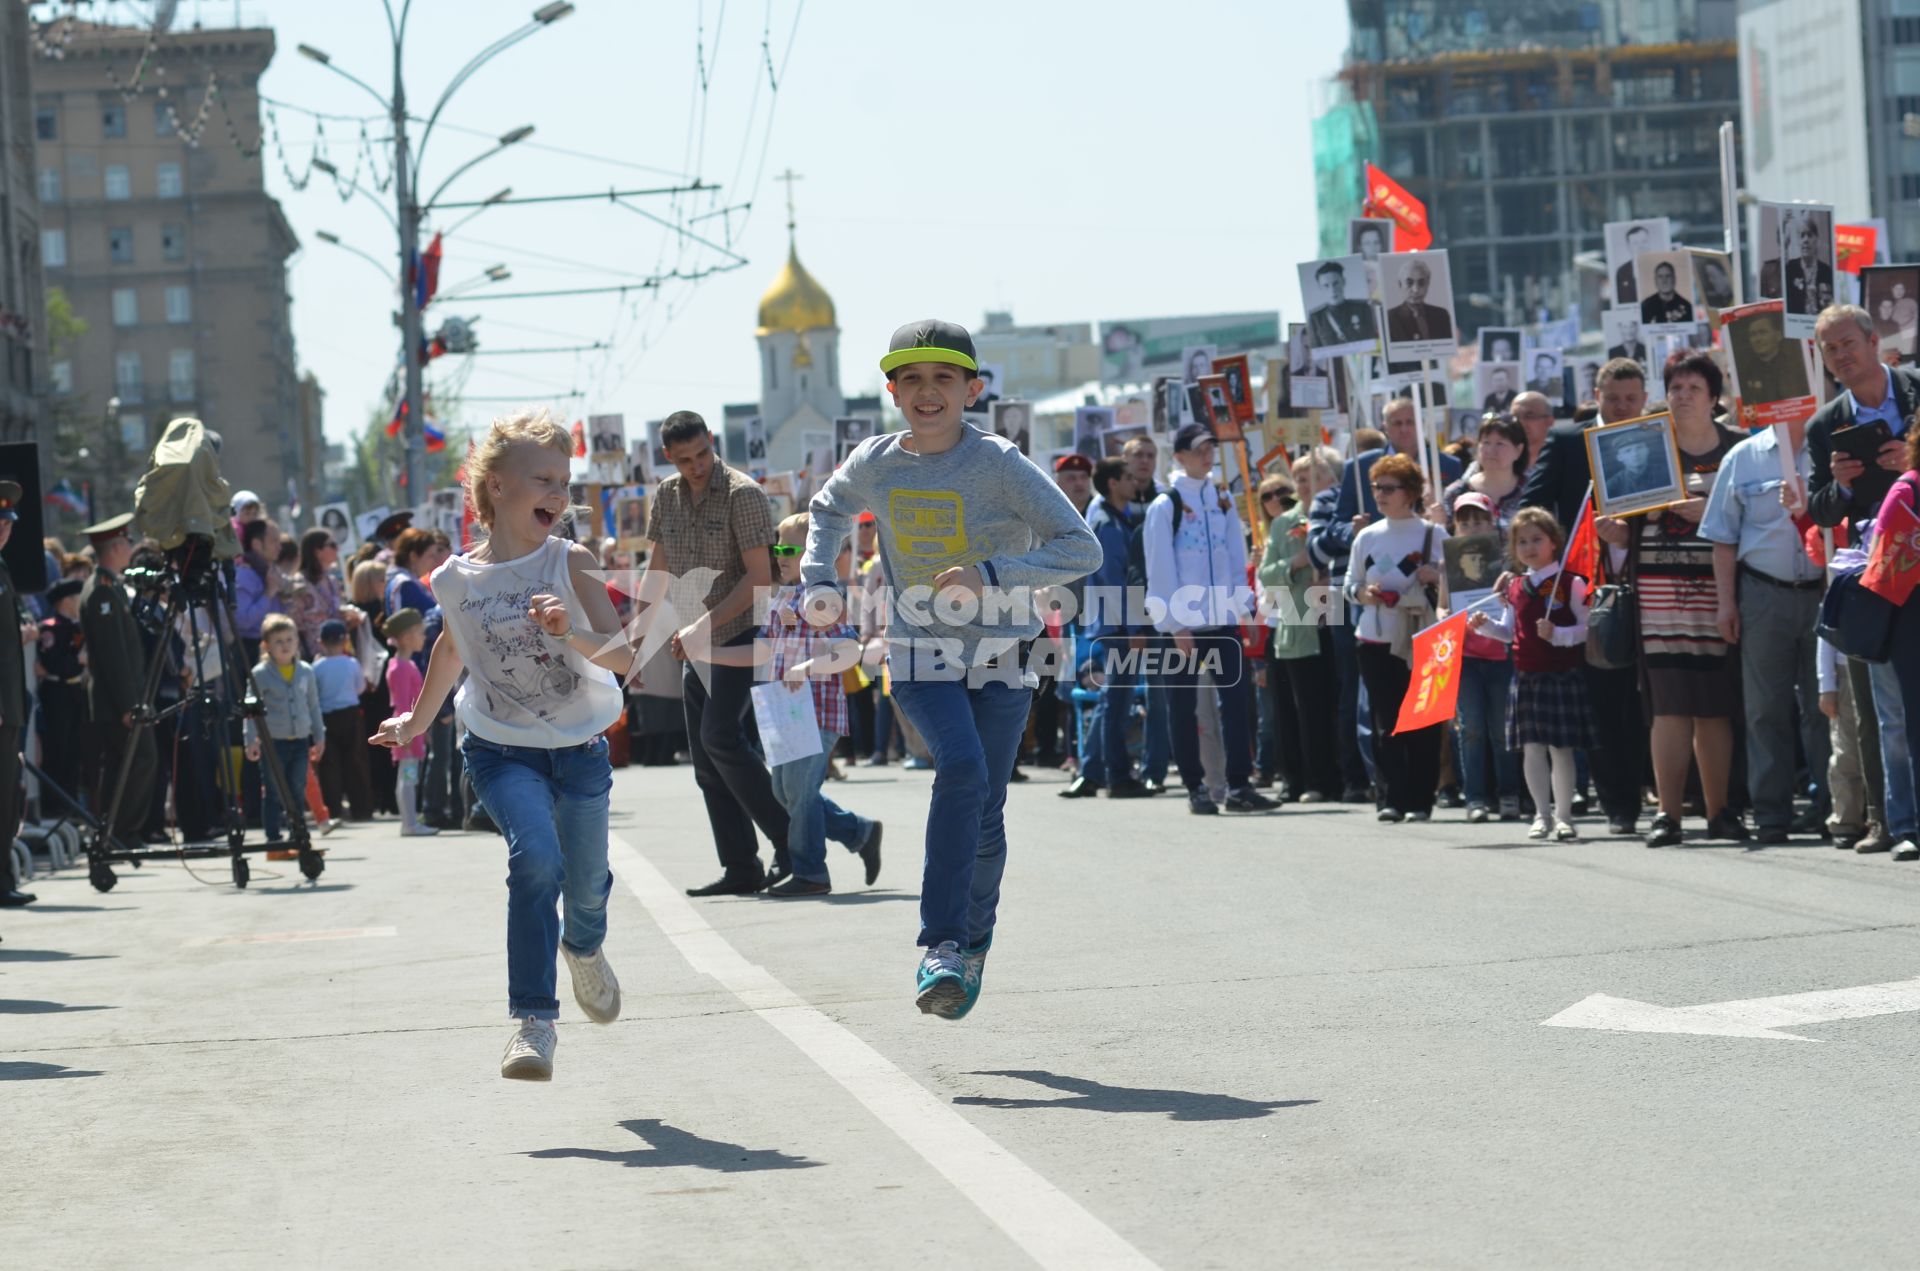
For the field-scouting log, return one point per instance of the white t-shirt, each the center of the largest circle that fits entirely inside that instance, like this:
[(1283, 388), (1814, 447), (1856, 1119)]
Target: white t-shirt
[(1379, 551), (523, 687)]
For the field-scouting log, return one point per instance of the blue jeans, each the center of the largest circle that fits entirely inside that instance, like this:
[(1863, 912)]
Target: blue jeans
[(552, 807), (973, 734), (291, 758), (1222, 646), (1903, 817), (813, 818), (1482, 723), (1158, 748), (1906, 678)]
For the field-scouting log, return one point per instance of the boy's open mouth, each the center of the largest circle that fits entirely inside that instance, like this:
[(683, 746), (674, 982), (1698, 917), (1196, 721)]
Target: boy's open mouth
[(927, 410)]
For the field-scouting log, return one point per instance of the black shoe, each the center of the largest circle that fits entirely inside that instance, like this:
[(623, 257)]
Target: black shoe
[(1771, 835), (1201, 804), (1249, 799), (1150, 787), (799, 887), (1389, 816), (1356, 794), (1729, 826), (15, 899), (1127, 788), (1813, 821), (1451, 798), (780, 873), (727, 886), (1621, 826), (870, 853), (1665, 831), (1017, 775), (1579, 805), (1079, 788)]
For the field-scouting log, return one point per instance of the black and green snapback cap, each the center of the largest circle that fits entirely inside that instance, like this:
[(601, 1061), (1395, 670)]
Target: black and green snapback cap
[(930, 340)]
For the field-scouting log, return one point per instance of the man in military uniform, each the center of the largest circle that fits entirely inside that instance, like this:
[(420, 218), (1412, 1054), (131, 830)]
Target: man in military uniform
[(116, 676), (15, 623), (62, 668), (1340, 320)]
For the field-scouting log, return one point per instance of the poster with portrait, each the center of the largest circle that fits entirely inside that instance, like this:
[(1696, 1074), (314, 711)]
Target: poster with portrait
[(1769, 370), (1891, 296), (1169, 404), (1473, 564), (630, 517), (1712, 277), (1307, 386), (1796, 253), (992, 376), (783, 494), (1197, 360), (1666, 293), (1013, 419), (1220, 413), (606, 440), (1543, 368), (1115, 439), (1625, 242), (1620, 332), (1239, 377), (657, 450), (1090, 424), (1370, 237), (1339, 318), (848, 432), (1416, 290), (443, 511), (367, 522), (1279, 401), (1635, 466), (756, 438), (337, 520), (639, 463), (1135, 411), (1500, 344), (1584, 371), (1495, 385)]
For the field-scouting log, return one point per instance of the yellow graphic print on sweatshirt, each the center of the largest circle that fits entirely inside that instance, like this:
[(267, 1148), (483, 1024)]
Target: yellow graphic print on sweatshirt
[(930, 535)]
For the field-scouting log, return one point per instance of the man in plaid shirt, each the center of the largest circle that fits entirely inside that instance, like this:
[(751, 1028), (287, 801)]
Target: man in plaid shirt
[(795, 652)]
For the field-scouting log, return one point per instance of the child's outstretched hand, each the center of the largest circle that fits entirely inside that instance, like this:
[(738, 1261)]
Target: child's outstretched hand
[(394, 732), (550, 614)]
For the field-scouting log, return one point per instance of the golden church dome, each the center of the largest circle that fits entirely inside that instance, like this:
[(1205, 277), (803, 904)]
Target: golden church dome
[(795, 302)]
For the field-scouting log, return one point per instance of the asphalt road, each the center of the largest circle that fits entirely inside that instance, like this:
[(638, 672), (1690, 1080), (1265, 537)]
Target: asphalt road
[(1299, 1039)]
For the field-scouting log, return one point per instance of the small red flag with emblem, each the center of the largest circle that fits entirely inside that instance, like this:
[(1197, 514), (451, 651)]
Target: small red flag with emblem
[(1435, 688), (1387, 197), (1856, 245), (1583, 546), (1893, 566)]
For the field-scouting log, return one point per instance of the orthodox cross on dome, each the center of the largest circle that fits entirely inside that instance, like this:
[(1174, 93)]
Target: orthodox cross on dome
[(787, 178)]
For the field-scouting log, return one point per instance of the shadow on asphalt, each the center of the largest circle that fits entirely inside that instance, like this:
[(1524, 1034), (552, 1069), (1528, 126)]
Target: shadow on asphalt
[(38, 908), (50, 955), (1093, 1096), (669, 1147), (867, 897), (45, 1008), (23, 1071)]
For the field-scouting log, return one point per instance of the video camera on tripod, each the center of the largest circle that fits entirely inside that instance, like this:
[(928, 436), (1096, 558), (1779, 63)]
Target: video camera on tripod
[(182, 504)]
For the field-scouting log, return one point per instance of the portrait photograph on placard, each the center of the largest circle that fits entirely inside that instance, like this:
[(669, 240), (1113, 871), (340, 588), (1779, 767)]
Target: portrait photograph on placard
[(1620, 329), (1417, 291), (1712, 277), (1666, 293), (1543, 375), (1115, 439), (1585, 372), (1239, 377), (1891, 295), (1495, 385), (1500, 344), (639, 467), (1635, 466), (1625, 241), (606, 439), (1221, 416), (1170, 410), (992, 376), (756, 430), (1278, 389), (1796, 253), (1013, 419), (1090, 423), (1133, 412), (1370, 237), (630, 516), (1197, 360), (1339, 319), (1768, 369), (1473, 564), (848, 432), (657, 452)]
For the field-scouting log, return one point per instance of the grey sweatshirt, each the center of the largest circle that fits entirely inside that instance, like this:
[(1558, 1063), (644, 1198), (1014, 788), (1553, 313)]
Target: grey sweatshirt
[(293, 709), (981, 503)]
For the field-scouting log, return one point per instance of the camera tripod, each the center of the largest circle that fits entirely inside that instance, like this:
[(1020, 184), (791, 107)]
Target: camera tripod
[(195, 584)]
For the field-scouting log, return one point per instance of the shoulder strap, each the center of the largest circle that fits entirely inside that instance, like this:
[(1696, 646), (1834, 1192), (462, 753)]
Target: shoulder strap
[(1179, 506)]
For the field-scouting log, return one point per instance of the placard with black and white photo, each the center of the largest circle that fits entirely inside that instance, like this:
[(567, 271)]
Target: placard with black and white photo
[(1769, 370), (1500, 344), (1712, 277), (1544, 377), (1635, 465), (1197, 360), (1891, 296), (1417, 290), (1620, 328), (1090, 424), (1370, 237), (848, 432), (1339, 319), (1586, 378), (1013, 419), (1495, 385), (1625, 241), (1796, 251), (1666, 290)]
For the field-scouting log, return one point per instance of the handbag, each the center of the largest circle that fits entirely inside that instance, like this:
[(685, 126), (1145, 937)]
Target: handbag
[(1856, 621), (1613, 617)]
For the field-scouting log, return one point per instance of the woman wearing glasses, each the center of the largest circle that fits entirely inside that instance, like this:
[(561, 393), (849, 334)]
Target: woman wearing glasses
[(316, 591)]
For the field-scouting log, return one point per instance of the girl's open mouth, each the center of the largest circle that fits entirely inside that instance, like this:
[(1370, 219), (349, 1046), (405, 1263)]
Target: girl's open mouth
[(545, 518)]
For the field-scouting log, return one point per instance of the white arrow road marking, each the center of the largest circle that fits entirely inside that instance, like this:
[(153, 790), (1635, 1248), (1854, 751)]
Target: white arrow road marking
[(1750, 1017)]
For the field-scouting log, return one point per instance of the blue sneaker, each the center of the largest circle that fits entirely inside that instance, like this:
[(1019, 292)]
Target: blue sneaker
[(943, 979), (976, 960), (916, 764)]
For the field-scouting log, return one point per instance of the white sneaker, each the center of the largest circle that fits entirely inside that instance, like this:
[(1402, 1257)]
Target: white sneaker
[(1565, 832), (594, 985), (421, 830), (529, 1055), (1540, 828)]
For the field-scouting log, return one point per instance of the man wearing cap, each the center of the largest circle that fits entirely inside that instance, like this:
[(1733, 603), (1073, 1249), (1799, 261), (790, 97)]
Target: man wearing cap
[(968, 530), (16, 629), (1198, 595), (116, 674), (62, 670), (1073, 473), (388, 530)]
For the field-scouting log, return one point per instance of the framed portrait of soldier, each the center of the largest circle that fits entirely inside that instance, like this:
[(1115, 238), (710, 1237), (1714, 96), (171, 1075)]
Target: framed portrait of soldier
[(1666, 293), (1370, 237), (1625, 241), (1495, 385), (1416, 292), (1197, 360), (1769, 370), (1891, 296), (1795, 247), (1544, 369), (1220, 416), (1636, 466), (1500, 344), (1239, 375), (1712, 278), (1339, 319), (1473, 563), (1013, 419), (1090, 424)]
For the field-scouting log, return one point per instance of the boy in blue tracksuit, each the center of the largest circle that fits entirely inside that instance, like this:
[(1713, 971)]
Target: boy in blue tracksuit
[(968, 529), (1104, 658)]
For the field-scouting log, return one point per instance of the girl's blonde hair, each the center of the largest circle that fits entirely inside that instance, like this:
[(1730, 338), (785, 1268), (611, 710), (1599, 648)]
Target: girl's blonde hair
[(369, 582), (536, 426)]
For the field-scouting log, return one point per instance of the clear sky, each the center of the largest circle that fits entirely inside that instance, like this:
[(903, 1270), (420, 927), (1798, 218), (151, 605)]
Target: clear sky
[(1068, 162)]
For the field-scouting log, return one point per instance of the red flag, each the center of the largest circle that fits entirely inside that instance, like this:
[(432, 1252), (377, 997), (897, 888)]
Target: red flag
[(579, 439), (1386, 197), (1435, 688), (1855, 245), (1893, 567), (1583, 546)]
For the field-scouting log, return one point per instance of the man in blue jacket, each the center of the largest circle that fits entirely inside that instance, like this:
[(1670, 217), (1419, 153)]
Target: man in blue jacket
[(1105, 658)]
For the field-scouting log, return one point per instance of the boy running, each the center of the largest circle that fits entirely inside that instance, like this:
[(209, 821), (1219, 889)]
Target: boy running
[(968, 529)]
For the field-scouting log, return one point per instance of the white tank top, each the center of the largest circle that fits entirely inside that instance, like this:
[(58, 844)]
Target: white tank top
[(523, 687)]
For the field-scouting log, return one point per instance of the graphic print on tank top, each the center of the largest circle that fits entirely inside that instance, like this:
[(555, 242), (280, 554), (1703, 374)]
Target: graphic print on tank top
[(522, 664)]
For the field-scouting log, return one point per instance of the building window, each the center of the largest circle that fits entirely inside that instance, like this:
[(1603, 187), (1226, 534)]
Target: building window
[(162, 120), (1909, 185), (120, 246), (119, 183), (133, 432), (113, 121), (166, 180), (53, 248), (180, 375), (49, 185), (173, 242), (46, 123), (126, 307), (1906, 30), (179, 305), (126, 375), (62, 373)]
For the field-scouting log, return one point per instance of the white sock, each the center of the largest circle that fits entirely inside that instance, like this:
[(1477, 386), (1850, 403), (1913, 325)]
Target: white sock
[(1534, 763), (1563, 775)]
